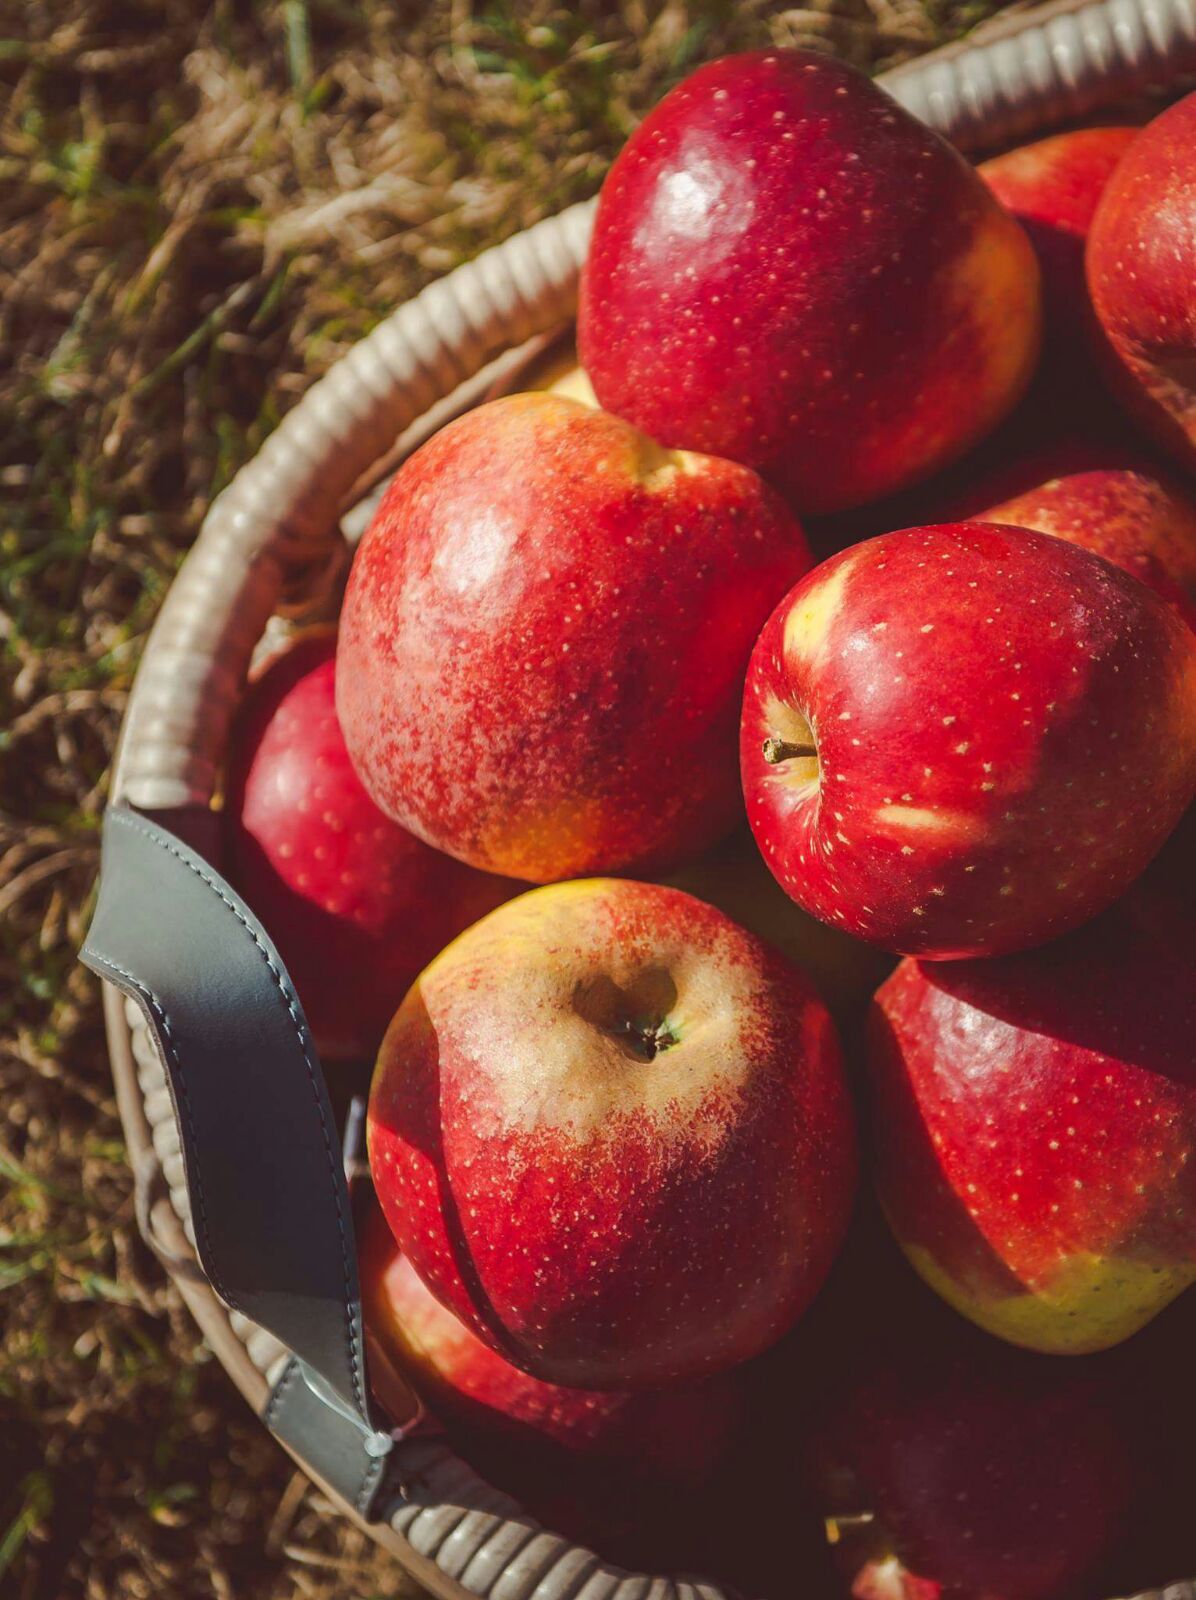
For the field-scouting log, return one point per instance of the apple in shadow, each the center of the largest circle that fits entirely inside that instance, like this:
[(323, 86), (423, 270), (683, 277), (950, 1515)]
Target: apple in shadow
[(1034, 1126)]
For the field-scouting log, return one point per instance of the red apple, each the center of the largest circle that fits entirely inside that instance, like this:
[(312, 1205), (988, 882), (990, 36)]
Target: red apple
[(1134, 519), (356, 905), (678, 1431), (1141, 263), (544, 640), (1037, 446), (790, 270), (619, 1471), (654, 1478), (1040, 441), (610, 1129), (733, 877), (1066, 424), (963, 740), (920, 1440), (1052, 188), (1035, 1121), (953, 1467)]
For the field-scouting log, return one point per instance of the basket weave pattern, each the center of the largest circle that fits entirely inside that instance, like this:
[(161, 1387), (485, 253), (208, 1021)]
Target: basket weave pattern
[(274, 536)]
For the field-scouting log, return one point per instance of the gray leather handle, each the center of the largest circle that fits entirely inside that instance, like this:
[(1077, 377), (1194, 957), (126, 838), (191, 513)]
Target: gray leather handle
[(269, 1201)]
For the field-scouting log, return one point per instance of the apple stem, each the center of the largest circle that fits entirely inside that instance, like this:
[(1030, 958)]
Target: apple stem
[(778, 750), (646, 1039), (850, 1520)]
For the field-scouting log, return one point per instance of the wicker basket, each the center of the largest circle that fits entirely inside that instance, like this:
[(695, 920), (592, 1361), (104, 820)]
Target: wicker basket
[(274, 542)]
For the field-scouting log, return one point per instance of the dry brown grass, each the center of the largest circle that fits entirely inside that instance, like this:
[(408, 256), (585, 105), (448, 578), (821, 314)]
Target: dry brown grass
[(201, 206)]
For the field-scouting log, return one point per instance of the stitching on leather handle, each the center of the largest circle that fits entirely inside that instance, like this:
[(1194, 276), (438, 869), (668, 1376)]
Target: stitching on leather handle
[(373, 1476), (375, 1468), (126, 819), (182, 1099), (280, 1389)]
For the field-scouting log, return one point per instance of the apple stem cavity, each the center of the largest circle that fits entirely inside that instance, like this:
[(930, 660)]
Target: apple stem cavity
[(778, 750)]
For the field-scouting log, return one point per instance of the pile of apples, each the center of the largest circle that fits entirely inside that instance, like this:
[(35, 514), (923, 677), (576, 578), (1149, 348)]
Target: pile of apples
[(867, 520)]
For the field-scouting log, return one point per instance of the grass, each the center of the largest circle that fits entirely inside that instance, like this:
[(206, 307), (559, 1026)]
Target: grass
[(202, 204)]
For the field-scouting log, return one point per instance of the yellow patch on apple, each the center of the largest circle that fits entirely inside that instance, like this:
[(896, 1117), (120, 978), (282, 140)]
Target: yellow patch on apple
[(574, 384), (926, 820), (808, 625), (1093, 1303)]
